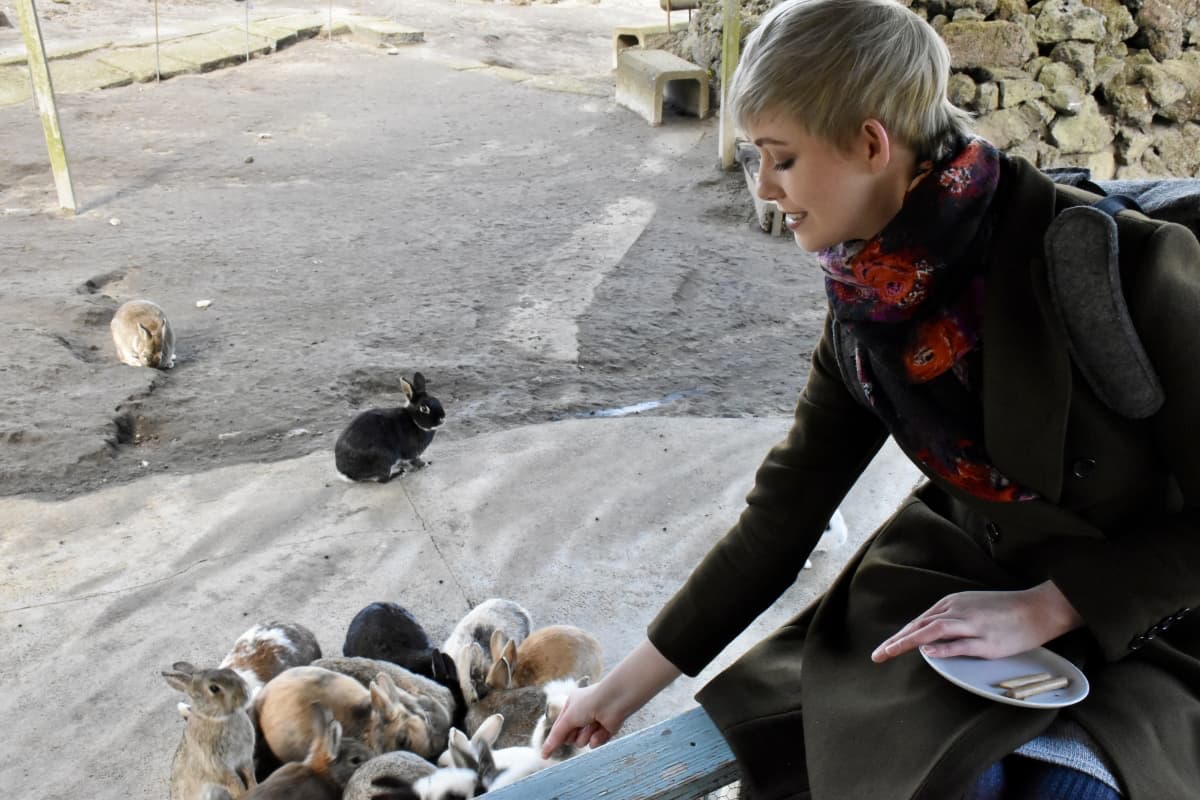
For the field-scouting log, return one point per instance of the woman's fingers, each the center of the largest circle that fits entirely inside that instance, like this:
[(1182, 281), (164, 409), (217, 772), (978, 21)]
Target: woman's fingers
[(933, 630)]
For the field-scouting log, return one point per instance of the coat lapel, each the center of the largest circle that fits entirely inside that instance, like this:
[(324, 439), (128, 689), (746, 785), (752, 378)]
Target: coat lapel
[(1026, 367)]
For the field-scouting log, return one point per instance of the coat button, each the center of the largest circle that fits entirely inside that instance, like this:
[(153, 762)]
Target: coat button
[(1082, 467), (1136, 642), (993, 532)]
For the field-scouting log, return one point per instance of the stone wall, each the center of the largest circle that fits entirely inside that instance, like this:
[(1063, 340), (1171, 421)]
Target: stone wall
[(1110, 85)]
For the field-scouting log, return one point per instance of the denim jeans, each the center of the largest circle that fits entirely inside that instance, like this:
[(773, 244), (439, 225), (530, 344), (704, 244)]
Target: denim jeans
[(1020, 778)]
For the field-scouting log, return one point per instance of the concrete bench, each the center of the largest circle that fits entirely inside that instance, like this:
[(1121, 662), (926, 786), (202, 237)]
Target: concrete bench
[(646, 79), (638, 36), (679, 759)]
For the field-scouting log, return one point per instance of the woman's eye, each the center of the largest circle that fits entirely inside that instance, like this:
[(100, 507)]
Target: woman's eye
[(781, 166)]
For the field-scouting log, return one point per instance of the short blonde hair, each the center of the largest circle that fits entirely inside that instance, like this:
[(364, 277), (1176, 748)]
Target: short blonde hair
[(832, 64)]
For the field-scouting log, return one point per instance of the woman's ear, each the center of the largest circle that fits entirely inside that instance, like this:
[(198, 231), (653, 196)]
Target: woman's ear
[(876, 145)]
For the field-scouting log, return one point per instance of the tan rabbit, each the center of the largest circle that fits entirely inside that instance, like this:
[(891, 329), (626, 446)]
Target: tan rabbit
[(284, 708), (326, 769), (547, 654), (522, 708), (218, 740), (423, 709), (143, 335)]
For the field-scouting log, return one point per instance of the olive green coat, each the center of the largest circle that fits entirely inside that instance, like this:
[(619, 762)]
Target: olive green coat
[(1116, 526)]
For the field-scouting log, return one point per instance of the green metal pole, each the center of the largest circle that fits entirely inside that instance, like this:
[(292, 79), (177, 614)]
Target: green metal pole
[(43, 90), (731, 43)]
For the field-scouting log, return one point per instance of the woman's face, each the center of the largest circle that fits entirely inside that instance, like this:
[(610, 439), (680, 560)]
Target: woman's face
[(830, 195)]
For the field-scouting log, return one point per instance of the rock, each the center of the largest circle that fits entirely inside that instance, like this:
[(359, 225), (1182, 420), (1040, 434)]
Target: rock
[(988, 44), (1174, 86), (1118, 22), (1066, 98), (4, 23), (1046, 112), (1107, 67), (967, 14), (961, 90), (1174, 151), (1063, 20), (1035, 66), (988, 97), (1019, 90), (1103, 165), (939, 22), (1027, 150), (1131, 103), (1135, 172), (1079, 56), (1085, 132), (1011, 9), (1161, 28), (1132, 144), (983, 7), (1009, 126)]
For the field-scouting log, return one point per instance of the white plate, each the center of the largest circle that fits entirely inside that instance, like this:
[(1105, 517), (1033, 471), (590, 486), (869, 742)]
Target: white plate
[(977, 675)]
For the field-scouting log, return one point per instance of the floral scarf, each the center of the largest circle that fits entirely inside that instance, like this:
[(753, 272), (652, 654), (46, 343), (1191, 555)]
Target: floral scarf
[(912, 298)]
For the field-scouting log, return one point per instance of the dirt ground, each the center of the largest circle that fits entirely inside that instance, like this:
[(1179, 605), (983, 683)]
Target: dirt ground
[(354, 216)]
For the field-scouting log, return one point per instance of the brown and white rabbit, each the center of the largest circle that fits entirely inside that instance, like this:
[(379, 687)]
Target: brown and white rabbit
[(218, 739), (381, 443), (266, 650), (547, 654), (420, 711), (389, 771), (143, 335), (328, 766), (470, 643), (284, 709), (213, 792)]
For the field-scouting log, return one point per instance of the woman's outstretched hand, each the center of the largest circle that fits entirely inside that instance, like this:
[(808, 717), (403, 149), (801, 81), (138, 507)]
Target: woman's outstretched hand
[(593, 715), (985, 624)]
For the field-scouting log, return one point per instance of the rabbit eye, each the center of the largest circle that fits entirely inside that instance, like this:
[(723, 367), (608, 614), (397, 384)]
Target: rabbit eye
[(212, 687), (424, 409)]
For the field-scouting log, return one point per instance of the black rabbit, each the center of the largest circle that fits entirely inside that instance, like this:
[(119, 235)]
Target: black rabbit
[(382, 443), (389, 632)]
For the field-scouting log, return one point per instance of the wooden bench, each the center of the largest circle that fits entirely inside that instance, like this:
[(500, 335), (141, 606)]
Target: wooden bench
[(646, 79), (679, 759), (638, 36)]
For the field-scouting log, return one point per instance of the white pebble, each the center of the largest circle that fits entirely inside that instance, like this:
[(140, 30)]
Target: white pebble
[(114, 221), (203, 303), (264, 136)]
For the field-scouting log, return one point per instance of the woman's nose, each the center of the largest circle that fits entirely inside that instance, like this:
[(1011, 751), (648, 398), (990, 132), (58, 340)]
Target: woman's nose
[(765, 187)]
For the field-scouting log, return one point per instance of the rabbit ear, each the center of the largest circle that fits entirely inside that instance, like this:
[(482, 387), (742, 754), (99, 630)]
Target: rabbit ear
[(461, 753), (500, 675), (486, 769), (418, 383), (489, 730), (496, 645), (144, 332), (510, 653), (407, 388), (381, 698), (463, 667), (180, 679)]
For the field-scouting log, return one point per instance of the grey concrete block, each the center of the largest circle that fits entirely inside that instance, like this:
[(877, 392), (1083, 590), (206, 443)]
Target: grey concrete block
[(648, 78), (140, 63)]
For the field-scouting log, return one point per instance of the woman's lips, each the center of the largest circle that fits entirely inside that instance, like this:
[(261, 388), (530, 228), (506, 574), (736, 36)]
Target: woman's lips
[(794, 221)]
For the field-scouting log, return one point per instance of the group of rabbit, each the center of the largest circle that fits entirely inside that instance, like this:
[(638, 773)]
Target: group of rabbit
[(378, 444), (393, 718)]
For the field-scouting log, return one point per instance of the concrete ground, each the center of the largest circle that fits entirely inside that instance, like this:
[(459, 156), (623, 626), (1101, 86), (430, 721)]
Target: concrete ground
[(588, 522)]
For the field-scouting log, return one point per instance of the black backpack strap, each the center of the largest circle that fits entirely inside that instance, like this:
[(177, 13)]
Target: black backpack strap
[(1085, 286)]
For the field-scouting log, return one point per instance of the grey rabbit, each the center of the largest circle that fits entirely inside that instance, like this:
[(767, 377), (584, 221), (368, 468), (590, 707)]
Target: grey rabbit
[(396, 771), (381, 443), (218, 741)]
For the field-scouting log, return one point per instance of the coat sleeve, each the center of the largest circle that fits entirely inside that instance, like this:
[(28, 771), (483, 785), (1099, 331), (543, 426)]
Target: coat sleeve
[(1136, 583), (796, 490)]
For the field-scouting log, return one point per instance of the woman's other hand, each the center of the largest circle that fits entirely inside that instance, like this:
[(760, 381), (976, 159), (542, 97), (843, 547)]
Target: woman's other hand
[(985, 624), (593, 715)]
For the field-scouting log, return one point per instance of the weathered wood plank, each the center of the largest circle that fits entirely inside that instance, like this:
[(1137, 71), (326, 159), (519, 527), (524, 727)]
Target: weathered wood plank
[(731, 43), (43, 91), (678, 759)]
